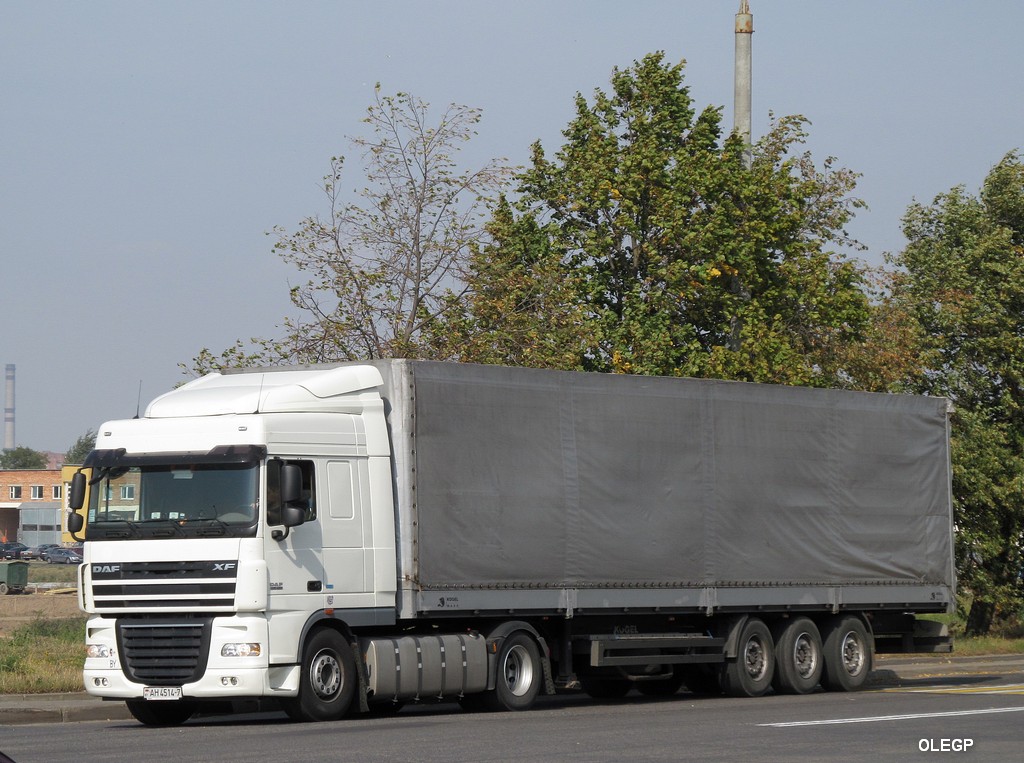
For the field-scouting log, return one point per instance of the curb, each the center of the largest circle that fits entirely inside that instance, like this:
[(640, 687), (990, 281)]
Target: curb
[(16, 710)]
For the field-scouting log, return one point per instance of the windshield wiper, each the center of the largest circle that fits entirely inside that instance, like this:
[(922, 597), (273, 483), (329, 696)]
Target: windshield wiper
[(118, 533), (220, 529), (172, 524)]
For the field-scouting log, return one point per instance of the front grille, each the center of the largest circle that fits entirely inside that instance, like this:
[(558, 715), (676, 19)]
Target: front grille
[(164, 586), (164, 652)]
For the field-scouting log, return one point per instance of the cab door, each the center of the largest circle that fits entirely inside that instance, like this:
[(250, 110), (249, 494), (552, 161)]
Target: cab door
[(294, 555), (342, 521)]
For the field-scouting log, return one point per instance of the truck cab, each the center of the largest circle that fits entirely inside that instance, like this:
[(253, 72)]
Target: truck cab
[(222, 526)]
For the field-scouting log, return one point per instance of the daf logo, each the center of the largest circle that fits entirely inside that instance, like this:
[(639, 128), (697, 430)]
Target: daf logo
[(223, 566), (105, 568)]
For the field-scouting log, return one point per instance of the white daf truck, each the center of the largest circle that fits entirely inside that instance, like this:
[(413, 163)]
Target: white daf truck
[(355, 537)]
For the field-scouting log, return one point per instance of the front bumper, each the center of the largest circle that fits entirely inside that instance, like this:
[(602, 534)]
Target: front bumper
[(223, 677)]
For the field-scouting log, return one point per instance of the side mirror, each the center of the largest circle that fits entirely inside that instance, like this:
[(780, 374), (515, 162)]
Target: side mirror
[(291, 484), (293, 516), (76, 498), (291, 493)]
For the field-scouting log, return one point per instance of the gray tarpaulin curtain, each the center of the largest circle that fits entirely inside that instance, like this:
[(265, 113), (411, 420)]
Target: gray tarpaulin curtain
[(551, 479)]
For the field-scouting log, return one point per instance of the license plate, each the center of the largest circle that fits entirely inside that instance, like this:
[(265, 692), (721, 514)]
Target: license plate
[(161, 692)]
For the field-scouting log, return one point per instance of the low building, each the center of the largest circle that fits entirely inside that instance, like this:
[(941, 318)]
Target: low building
[(31, 503)]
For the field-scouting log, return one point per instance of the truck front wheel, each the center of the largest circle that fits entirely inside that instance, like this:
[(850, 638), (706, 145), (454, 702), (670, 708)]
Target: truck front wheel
[(327, 683)]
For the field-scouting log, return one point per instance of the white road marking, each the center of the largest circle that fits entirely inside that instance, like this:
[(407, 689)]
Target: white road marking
[(881, 718)]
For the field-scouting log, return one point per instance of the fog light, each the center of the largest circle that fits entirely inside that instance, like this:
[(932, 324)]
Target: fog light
[(100, 682), (228, 681), (240, 650), (101, 651)]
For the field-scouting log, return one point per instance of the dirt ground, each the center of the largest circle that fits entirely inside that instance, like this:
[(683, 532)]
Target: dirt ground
[(21, 608)]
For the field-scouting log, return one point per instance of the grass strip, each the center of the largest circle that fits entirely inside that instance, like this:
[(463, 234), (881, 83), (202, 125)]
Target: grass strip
[(43, 656)]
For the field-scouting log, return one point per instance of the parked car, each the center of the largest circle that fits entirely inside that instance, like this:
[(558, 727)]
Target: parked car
[(63, 556), (37, 552), (12, 550), (46, 548)]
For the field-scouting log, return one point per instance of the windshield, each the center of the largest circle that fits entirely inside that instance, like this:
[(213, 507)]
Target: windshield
[(187, 500)]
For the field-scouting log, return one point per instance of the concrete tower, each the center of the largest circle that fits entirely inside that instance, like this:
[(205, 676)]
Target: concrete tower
[(9, 409), (741, 95)]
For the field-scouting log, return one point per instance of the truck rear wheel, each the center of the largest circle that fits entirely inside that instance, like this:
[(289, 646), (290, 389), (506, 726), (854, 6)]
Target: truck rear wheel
[(519, 675), (798, 656), (328, 680), (518, 679), (847, 653), (750, 673)]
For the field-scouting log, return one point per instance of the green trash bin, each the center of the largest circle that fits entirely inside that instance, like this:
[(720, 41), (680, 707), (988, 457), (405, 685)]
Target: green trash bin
[(13, 577)]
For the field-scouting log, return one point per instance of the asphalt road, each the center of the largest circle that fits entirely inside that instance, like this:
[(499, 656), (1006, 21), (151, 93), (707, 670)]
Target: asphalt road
[(969, 707)]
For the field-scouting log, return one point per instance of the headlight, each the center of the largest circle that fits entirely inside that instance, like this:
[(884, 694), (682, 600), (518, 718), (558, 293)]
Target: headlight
[(101, 651), (240, 650)]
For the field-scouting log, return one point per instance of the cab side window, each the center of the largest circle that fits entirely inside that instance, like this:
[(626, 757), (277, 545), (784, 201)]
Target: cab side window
[(308, 500)]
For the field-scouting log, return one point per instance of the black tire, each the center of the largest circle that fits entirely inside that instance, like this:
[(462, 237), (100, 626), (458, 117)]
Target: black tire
[(750, 673), (161, 713), (328, 680), (604, 684), (703, 679), (519, 675), (662, 687), (848, 654), (798, 656)]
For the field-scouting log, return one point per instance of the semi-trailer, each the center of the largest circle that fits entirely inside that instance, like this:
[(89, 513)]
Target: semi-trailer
[(357, 536)]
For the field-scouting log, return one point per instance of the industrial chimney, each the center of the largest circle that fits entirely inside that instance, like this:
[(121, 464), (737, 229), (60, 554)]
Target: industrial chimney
[(742, 87), (9, 409)]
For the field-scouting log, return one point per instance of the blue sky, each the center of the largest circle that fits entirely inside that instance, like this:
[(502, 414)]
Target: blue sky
[(147, 147)]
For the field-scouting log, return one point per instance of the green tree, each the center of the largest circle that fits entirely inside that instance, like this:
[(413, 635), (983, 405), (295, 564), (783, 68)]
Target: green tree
[(380, 271), (648, 230), (83, 445), (22, 457), (522, 308), (886, 357), (964, 283)]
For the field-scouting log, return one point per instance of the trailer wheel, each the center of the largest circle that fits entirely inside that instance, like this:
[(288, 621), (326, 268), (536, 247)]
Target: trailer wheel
[(152, 713), (798, 657), (847, 652), (327, 682), (3, 588), (750, 674)]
